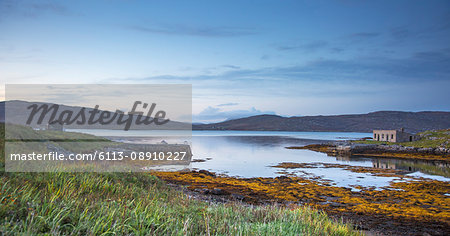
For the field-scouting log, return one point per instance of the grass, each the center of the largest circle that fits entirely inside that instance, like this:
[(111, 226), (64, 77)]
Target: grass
[(428, 139), (138, 204), (71, 141)]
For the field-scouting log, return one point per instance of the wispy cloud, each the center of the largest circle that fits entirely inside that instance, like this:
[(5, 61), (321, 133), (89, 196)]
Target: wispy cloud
[(337, 50), (228, 104), (214, 114), (50, 7), (305, 47), (421, 66), (32, 9), (364, 35), (200, 31), (400, 33), (231, 67), (424, 66), (438, 30), (265, 57)]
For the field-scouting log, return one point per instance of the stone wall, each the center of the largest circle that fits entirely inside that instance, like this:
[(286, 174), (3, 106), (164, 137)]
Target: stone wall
[(385, 135), (393, 136)]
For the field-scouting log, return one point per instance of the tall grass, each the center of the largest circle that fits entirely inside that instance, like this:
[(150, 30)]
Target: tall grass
[(138, 204)]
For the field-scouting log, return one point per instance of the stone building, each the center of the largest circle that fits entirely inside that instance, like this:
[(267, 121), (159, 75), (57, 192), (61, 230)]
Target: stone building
[(396, 136)]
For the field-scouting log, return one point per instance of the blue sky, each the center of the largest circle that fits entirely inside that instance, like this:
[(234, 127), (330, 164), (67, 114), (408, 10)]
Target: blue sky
[(242, 57)]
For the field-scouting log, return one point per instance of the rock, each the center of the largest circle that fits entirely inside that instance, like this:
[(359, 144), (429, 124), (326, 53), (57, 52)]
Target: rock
[(218, 191), (201, 190), (237, 196), (282, 177), (205, 172)]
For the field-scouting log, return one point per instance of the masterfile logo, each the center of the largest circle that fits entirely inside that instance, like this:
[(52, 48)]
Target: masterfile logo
[(94, 127), (94, 116)]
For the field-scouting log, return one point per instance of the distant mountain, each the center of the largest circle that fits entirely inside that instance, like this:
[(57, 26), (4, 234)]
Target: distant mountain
[(411, 121), (2, 112), (18, 113)]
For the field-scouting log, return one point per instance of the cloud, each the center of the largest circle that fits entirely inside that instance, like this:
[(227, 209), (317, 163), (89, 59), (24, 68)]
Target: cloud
[(265, 57), (399, 34), (7, 6), (200, 31), (441, 55), (438, 30), (232, 67), (31, 10), (228, 104), (306, 47), (364, 35), (50, 7), (336, 50), (422, 66), (214, 114)]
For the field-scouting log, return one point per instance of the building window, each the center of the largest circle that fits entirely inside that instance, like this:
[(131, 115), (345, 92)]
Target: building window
[(392, 136)]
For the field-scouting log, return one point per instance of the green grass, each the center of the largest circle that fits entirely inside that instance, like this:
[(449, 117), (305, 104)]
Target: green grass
[(138, 204), (71, 141), (428, 139)]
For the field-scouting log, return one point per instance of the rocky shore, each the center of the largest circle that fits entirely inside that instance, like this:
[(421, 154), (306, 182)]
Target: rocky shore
[(379, 150), (415, 206), (356, 148)]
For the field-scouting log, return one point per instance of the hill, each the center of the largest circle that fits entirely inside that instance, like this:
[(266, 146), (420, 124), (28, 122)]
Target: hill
[(411, 121), (18, 113)]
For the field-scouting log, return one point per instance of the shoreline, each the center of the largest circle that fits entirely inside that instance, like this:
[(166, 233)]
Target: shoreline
[(376, 150), (416, 206), (413, 206)]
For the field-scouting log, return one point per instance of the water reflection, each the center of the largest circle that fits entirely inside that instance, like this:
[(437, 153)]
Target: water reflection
[(253, 156), (426, 167)]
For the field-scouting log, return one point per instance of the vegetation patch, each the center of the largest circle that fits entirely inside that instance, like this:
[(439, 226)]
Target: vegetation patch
[(356, 169), (138, 204), (325, 148), (419, 203), (428, 139)]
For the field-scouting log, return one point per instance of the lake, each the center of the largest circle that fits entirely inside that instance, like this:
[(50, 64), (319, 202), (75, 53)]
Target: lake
[(253, 153)]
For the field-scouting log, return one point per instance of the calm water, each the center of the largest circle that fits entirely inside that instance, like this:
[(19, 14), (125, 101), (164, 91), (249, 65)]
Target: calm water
[(252, 153)]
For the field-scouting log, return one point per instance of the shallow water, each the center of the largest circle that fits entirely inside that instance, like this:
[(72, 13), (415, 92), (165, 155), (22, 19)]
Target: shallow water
[(253, 153)]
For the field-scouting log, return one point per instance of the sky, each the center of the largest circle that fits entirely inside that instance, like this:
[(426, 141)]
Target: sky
[(243, 58)]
